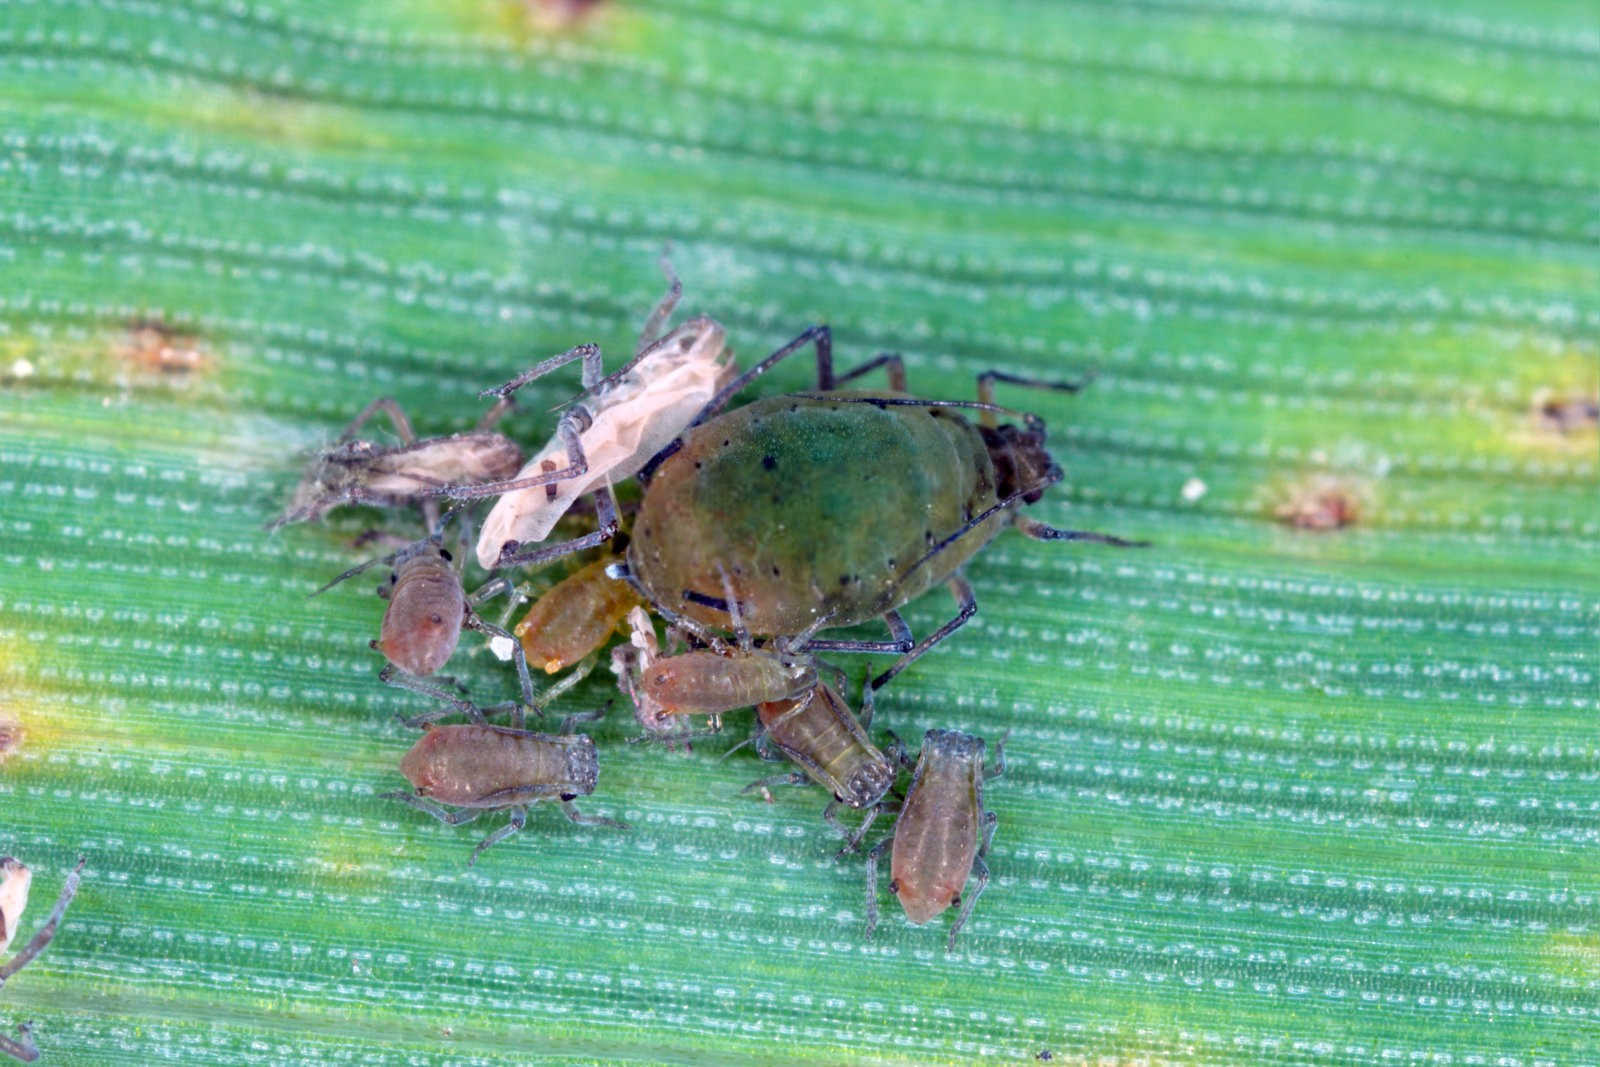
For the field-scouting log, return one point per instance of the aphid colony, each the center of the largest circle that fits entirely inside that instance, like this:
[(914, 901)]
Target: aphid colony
[(755, 531)]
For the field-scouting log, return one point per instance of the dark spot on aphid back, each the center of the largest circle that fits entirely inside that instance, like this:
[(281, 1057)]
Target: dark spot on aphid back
[(776, 573), (769, 462), (445, 555), (436, 619), (725, 442)]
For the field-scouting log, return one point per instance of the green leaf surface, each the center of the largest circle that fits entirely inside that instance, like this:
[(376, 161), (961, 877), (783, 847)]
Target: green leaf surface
[(1276, 795)]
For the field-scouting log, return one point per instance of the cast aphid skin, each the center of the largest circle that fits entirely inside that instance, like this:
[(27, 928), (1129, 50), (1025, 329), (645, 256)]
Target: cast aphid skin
[(942, 832), (608, 432), (357, 471), (427, 610), (825, 509), (14, 880), (819, 734), (476, 767)]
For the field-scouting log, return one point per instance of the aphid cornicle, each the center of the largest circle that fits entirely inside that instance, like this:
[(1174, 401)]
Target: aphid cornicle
[(14, 880), (942, 832), (819, 734), (828, 508), (475, 767)]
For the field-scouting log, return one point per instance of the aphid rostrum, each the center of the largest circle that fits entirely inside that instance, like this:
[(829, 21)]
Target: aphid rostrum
[(358, 471), (828, 508), (14, 882), (942, 832), (427, 610), (608, 432), (476, 767), (818, 733)]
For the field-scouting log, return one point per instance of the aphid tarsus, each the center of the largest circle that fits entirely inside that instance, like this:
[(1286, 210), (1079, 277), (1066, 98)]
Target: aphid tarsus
[(14, 881), (476, 767), (942, 832)]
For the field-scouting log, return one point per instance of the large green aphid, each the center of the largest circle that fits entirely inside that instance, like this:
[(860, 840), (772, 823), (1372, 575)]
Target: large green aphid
[(828, 508)]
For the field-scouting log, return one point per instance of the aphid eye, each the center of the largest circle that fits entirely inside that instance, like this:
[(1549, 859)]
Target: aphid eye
[(436, 619), (446, 556), (569, 796)]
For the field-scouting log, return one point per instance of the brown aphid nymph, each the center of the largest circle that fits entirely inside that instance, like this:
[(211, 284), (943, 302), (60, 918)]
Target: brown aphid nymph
[(475, 767), (575, 617), (820, 735), (942, 832)]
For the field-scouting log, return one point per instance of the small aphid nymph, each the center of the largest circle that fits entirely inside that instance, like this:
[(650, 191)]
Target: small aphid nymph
[(14, 881), (475, 767), (819, 734), (942, 832), (575, 617)]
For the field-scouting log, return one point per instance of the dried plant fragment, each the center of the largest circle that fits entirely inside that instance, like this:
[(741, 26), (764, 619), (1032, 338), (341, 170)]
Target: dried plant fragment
[(1324, 502), (154, 348)]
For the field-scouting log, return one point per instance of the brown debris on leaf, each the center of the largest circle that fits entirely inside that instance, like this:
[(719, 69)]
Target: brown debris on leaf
[(1322, 502), (1565, 413), (10, 738), (153, 348)]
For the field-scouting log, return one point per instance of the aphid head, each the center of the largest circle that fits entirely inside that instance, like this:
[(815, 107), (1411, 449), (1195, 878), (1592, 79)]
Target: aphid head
[(583, 768), (1021, 464), (953, 744)]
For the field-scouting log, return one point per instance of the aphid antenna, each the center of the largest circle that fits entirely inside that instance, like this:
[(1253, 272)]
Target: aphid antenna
[(1034, 422)]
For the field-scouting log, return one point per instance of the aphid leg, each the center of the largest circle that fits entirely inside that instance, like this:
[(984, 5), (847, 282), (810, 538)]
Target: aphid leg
[(570, 428), (1040, 531), (961, 589), (764, 784), (584, 716), (434, 808), (519, 819), (23, 1048), (730, 603), (578, 673), (872, 882), (999, 766), (900, 639), (392, 675), (589, 353), (589, 820), (852, 837), (990, 821), (980, 872), (513, 555), (387, 405), (820, 336), (890, 361), (473, 621), (896, 749), (987, 379), (48, 930), (663, 310)]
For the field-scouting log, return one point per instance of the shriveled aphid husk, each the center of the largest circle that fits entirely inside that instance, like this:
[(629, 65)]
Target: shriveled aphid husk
[(631, 419), (14, 881)]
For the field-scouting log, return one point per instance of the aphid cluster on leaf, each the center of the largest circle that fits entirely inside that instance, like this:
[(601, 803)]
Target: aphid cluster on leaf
[(755, 532)]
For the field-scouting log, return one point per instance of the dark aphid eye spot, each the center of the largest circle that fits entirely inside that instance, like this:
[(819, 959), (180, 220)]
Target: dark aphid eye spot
[(698, 464), (569, 796), (769, 462), (724, 442), (927, 535), (794, 407), (436, 619), (775, 572), (394, 576), (846, 579), (446, 556)]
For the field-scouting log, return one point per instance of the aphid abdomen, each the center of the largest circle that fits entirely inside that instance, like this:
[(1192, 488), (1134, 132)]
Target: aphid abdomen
[(936, 836), (708, 683), (812, 504), (819, 734), (461, 459), (575, 617), (422, 624), (474, 765)]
